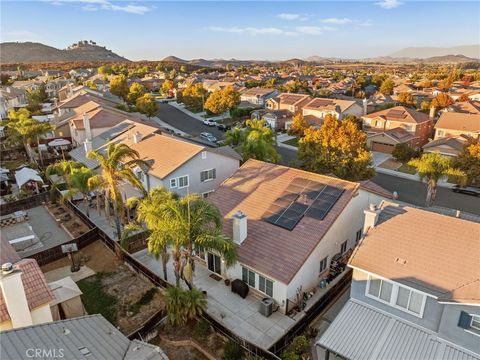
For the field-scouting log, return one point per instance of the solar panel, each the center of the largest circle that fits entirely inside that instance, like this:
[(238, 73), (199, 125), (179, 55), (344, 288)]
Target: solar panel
[(116, 130), (302, 197)]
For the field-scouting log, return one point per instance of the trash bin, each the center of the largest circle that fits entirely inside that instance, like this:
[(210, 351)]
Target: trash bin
[(266, 307)]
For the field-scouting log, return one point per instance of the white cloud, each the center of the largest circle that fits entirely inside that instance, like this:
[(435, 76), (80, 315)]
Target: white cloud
[(314, 30), (337, 21), (94, 5), (365, 23), (286, 16), (389, 4), (252, 30)]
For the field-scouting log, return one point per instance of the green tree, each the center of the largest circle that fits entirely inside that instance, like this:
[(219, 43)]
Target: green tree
[(104, 70), (147, 105), (184, 225), (183, 69), (337, 147), (387, 87), (90, 84), (135, 92), (35, 98), (63, 168), (406, 98), (403, 152), (79, 184), (299, 125), (193, 96), (119, 86), (255, 141), (433, 167), (22, 129), (167, 86), (468, 161), (221, 101), (183, 305), (116, 167), (442, 101)]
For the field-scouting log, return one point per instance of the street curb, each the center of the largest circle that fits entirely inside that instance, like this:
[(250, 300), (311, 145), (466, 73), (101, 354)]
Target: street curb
[(399, 174)]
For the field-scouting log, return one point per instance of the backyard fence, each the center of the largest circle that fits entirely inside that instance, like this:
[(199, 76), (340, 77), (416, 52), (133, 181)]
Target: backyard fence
[(24, 204)]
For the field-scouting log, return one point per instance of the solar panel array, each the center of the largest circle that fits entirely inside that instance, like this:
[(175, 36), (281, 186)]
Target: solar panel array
[(302, 197), (116, 130)]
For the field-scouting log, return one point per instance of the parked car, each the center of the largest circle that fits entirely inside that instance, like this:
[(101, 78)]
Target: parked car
[(209, 122), (223, 127), (468, 190), (208, 136)]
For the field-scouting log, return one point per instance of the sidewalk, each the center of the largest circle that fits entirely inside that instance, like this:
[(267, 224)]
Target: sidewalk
[(199, 116), (415, 177), (281, 138)]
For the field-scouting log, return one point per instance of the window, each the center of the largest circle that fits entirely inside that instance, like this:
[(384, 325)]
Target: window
[(208, 175), (183, 181), (265, 285), (343, 247), (206, 194), (173, 183), (323, 264), (358, 236), (248, 276), (204, 155), (440, 132), (469, 322), (395, 295)]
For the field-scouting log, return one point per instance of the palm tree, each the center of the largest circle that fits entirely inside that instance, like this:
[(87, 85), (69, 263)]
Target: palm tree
[(183, 305), (63, 168), (116, 165), (433, 167), (148, 210), (25, 130), (256, 141), (78, 180), (184, 225)]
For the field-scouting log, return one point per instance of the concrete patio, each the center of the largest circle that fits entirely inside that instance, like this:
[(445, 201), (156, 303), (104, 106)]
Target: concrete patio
[(241, 316)]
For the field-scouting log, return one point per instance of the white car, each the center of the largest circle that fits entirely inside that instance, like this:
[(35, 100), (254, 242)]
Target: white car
[(208, 136), (209, 122)]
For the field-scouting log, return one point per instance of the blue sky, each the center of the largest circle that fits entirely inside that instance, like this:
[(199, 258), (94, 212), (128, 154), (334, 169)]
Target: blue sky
[(271, 30)]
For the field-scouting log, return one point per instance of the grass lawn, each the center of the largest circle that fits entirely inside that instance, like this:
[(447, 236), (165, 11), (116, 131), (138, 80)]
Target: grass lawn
[(96, 300), (407, 169), (292, 142)]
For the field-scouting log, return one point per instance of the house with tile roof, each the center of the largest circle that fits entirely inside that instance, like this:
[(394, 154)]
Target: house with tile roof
[(397, 125), (257, 96), (454, 124), (415, 292), (287, 101), (317, 109), (288, 224), (11, 98), (25, 296)]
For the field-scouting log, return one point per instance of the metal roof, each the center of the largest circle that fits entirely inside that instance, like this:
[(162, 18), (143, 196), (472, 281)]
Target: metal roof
[(362, 332), (86, 337)]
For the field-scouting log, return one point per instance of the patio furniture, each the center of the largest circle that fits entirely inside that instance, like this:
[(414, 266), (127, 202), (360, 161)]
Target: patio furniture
[(240, 288)]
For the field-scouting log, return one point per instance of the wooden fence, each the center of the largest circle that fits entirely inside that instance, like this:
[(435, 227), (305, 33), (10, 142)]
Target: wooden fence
[(24, 204)]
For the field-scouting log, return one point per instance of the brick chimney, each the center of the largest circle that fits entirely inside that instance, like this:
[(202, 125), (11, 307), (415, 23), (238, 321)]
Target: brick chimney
[(239, 227), (14, 295)]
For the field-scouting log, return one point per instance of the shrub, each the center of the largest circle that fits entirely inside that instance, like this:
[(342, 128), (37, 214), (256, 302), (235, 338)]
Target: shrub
[(403, 152), (289, 355), (232, 351), (299, 345), (201, 329)]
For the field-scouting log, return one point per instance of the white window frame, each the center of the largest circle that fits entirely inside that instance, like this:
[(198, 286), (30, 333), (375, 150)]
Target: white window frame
[(358, 235), (342, 246), (182, 177), (322, 267), (208, 172), (265, 284), (475, 318), (206, 193), (174, 181), (204, 155), (248, 277), (393, 296)]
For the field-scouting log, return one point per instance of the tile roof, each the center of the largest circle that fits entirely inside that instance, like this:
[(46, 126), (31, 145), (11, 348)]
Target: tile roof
[(329, 104), (459, 122), (454, 142), (292, 99), (363, 332), (469, 107), (36, 288), (85, 337), (82, 98), (167, 152), (269, 249), (100, 117), (400, 114), (441, 252), (257, 92)]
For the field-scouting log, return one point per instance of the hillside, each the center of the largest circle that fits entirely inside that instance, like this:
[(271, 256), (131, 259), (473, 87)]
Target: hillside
[(471, 51), (29, 52)]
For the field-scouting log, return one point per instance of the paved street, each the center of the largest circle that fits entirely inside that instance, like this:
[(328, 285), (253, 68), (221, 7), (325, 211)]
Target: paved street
[(184, 122), (409, 191)]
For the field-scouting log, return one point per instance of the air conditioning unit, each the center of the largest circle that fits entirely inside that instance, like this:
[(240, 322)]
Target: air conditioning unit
[(266, 306)]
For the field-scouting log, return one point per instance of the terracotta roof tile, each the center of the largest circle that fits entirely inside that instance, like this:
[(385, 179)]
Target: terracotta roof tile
[(459, 122), (269, 249), (441, 252), (400, 114)]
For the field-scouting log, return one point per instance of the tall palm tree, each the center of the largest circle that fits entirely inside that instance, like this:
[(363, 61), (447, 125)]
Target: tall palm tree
[(433, 167), (184, 225), (63, 168), (255, 141), (116, 165)]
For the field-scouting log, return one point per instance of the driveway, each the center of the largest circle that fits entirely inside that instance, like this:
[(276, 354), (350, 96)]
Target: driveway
[(379, 157)]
